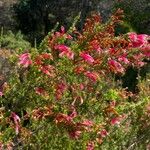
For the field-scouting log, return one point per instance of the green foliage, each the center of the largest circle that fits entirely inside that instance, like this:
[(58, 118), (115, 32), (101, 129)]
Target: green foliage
[(14, 41)]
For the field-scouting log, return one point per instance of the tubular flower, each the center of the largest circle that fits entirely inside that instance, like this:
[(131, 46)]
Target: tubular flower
[(92, 76), (40, 91), (124, 60), (1, 94), (138, 40), (64, 51), (90, 145), (60, 89), (75, 134), (115, 66), (116, 120), (146, 50), (16, 120), (86, 57), (103, 133), (48, 70), (24, 60)]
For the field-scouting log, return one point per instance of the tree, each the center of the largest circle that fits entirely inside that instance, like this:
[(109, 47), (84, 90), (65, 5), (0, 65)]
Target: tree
[(7, 14), (37, 17)]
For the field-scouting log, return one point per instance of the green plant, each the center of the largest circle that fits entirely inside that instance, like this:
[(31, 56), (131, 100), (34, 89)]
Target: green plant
[(13, 41), (66, 93)]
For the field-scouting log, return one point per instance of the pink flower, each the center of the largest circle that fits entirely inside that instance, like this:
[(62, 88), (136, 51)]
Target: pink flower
[(60, 89), (62, 48), (48, 70), (86, 57), (87, 123), (73, 113), (1, 94), (40, 91), (1, 146), (64, 51), (68, 54), (115, 66), (90, 145), (146, 50), (138, 40), (92, 76), (123, 59), (81, 86), (75, 134), (25, 60), (115, 121), (16, 120), (103, 133)]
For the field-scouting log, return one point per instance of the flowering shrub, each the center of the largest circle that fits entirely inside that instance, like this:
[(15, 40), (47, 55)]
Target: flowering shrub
[(66, 93)]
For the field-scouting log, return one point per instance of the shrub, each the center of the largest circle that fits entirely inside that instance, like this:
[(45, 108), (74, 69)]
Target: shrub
[(14, 41), (66, 91)]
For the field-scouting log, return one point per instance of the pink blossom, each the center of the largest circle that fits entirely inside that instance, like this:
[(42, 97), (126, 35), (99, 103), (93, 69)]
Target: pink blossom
[(75, 134), (87, 123), (73, 113), (103, 133), (123, 59), (47, 69), (64, 51), (1, 146), (138, 40), (10, 146), (115, 121), (88, 58), (40, 91), (146, 50), (60, 89), (1, 94), (115, 66), (68, 54), (81, 86), (112, 51), (62, 48), (90, 145), (24, 60), (92, 76), (140, 63), (16, 121)]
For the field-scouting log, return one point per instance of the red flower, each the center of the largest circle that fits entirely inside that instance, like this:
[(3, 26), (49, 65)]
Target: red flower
[(103, 133), (64, 51), (87, 123), (75, 134), (123, 59), (115, 121), (25, 60), (92, 76), (16, 121), (40, 91), (138, 40), (47, 69), (115, 66), (86, 57), (1, 94), (90, 145)]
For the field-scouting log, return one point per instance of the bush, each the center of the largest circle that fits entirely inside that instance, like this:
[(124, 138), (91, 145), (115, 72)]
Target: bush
[(65, 95), (14, 41)]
